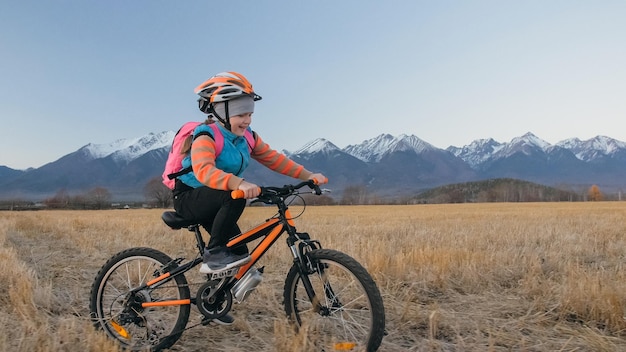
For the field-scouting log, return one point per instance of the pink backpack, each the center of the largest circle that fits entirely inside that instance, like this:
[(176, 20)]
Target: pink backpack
[(174, 163)]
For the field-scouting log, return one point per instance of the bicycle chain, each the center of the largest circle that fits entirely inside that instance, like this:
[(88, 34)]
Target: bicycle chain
[(188, 327)]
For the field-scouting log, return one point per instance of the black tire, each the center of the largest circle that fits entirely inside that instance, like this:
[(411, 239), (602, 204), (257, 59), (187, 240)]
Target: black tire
[(147, 329), (352, 315)]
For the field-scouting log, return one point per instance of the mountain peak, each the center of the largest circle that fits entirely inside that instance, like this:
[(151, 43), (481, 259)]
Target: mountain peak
[(319, 145), (476, 152), (372, 150), (527, 144), (531, 140)]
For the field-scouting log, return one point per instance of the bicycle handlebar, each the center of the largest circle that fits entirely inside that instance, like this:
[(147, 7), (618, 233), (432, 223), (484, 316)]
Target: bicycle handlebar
[(286, 190)]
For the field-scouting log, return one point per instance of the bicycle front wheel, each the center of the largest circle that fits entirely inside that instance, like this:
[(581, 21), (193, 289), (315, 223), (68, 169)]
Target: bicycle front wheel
[(121, 315), (346, 311)]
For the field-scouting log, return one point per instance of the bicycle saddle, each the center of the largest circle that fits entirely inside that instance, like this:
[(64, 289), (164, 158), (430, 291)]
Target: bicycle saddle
[(175, 221)]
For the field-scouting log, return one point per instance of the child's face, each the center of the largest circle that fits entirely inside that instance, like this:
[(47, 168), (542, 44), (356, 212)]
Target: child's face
[(239, 123)]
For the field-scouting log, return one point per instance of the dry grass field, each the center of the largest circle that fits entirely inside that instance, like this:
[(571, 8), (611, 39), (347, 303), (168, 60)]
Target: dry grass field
[(466, 277)]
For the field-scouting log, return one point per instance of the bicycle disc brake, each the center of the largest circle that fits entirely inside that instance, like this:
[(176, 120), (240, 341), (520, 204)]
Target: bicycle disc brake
[(212, 301)]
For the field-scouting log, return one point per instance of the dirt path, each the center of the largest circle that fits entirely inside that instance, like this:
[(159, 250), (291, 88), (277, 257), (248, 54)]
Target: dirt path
[(58, 262)]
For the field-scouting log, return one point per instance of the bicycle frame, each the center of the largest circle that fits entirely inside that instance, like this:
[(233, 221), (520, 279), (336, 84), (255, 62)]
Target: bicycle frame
[(271, 230)]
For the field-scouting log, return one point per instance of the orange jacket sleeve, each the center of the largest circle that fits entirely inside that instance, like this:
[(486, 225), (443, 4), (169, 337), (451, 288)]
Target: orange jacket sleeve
[(278, 162)]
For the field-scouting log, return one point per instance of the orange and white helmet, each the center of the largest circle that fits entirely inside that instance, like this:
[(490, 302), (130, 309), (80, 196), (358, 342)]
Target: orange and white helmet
[(225, 86)]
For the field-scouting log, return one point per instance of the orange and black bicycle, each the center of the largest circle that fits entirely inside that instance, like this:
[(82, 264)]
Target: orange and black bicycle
[(142, 299)]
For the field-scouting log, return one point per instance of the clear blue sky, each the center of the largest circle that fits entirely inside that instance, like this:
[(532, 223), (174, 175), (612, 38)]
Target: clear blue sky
[(449, 72)]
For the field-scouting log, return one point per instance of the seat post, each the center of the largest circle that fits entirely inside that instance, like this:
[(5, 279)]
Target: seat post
[(199, 241)]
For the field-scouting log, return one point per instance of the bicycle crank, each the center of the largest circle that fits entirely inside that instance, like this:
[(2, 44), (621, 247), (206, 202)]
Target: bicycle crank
[(212, 302)]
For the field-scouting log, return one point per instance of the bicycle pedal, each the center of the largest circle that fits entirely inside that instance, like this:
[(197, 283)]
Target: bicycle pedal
[(223, 274)]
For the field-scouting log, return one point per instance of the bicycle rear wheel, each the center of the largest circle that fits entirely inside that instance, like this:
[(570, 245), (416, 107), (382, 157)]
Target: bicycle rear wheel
[(120, 314), (347, 312)]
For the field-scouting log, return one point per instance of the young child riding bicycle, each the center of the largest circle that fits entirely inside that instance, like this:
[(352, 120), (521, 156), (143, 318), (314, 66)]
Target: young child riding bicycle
[(204, 194), (141, 297)]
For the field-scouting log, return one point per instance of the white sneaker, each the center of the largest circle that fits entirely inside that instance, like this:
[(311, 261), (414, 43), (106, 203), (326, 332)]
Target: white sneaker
[(220, 259)]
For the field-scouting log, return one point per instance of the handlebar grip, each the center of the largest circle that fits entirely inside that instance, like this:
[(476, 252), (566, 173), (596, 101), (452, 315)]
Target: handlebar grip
[(324, 181), (237, 194)]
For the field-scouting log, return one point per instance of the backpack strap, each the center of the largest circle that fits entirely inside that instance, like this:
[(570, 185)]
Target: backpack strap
[(180, 173), (250, 138), (218, 137)]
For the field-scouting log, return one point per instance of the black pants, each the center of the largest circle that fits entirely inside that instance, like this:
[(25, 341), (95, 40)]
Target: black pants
[(215, 210)]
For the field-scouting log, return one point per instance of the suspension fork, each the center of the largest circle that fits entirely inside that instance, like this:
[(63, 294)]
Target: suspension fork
[(303, 271), (299, 244)]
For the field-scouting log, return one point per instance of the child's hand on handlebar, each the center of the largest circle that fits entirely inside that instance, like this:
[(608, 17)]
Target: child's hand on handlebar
[(250, 190), (318, 178)]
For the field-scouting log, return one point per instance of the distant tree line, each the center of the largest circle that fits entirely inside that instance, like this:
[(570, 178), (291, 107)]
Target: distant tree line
[(508, 190), (158, 195), (155, 193), (96, 198)]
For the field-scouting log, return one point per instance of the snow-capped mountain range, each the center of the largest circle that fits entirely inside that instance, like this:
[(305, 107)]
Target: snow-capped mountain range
[(482, 150), (126, 150), (387, 164)]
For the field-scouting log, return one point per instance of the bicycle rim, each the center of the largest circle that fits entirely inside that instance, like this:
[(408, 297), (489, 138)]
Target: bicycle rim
[(138, 328), (350, 316)]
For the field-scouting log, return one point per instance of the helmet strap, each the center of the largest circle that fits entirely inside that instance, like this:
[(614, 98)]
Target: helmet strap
[(226, 121)]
